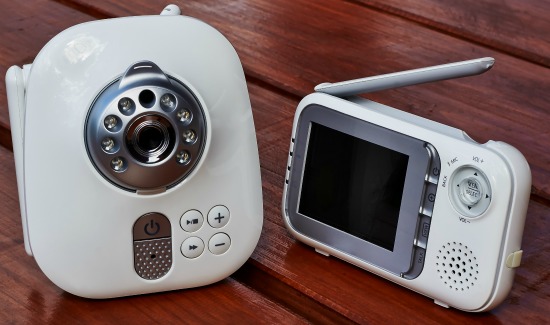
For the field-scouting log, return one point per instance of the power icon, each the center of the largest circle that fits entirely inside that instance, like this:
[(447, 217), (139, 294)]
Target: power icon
[(152, 228)]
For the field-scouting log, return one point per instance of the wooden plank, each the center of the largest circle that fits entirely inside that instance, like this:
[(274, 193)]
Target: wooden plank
[(27, 296), (300, 44), (517, 27)]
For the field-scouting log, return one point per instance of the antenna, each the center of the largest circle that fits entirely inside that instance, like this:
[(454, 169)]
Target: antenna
[(170, 10), (407, 78)]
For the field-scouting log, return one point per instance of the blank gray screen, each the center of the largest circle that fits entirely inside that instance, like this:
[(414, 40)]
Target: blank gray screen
[(353, 185)]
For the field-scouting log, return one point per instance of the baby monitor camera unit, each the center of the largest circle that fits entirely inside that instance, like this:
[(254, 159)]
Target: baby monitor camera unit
[(414, 201), (136, 156)]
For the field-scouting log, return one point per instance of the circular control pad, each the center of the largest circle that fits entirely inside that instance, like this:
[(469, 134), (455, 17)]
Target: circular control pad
[(470, 191)]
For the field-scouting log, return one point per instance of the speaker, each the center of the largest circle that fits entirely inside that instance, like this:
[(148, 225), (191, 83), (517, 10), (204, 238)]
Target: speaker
[(457, 266)]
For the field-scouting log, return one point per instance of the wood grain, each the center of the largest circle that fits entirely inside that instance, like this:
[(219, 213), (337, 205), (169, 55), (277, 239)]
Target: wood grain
[(516, 27), (287, 47)]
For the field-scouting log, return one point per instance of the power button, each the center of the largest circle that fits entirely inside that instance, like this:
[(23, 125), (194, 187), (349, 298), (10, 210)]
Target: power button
[(152, 225)]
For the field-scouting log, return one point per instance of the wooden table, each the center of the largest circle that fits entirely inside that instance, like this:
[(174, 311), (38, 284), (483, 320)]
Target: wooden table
[(287, 47)]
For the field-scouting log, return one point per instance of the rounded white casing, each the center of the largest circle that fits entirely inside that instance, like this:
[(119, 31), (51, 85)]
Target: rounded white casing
[(79, 224), (493, 238)]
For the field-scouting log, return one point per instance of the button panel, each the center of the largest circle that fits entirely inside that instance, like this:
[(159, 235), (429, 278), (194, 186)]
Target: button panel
[(425, 214), (152, 240), (192, 220)]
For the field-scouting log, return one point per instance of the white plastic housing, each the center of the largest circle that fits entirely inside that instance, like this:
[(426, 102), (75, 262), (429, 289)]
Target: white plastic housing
[(79, 224), (491, 237)]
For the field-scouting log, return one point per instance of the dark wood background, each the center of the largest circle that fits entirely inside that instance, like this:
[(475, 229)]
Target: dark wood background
[(287, 47)]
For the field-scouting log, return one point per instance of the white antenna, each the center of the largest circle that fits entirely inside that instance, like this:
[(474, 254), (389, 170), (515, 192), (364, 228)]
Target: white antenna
[(170, 10), (406, 78)]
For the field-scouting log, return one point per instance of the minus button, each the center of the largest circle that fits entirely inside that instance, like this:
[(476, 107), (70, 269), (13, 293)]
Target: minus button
[(219, 243)]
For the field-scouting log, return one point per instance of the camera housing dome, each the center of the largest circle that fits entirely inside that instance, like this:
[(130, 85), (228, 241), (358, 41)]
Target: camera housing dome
[(146, 131)]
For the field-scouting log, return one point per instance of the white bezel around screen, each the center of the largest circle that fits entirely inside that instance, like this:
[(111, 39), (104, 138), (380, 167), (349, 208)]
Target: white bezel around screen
[(399, 260)]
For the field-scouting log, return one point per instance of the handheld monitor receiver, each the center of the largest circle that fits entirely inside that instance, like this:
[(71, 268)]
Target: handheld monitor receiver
[(412, 200)]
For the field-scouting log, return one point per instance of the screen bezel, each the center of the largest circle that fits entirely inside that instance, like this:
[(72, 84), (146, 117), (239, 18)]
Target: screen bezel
[(397, 261)]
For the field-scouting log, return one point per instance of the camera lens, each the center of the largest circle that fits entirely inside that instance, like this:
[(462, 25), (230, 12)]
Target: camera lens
[(150, 138)]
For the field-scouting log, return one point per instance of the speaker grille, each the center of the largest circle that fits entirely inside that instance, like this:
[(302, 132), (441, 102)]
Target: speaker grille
[(457, 266), (153, 258)]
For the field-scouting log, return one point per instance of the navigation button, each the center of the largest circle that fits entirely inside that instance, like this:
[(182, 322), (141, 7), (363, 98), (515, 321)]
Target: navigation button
[(192, 247), (218, 216), (219, 243), (470, 191), (191, 221)]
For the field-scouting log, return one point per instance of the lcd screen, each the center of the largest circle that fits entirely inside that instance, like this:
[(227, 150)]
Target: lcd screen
[(353, 185)]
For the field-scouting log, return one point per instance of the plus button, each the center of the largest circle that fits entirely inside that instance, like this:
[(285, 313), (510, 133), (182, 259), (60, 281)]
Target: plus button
[(219, 217)]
